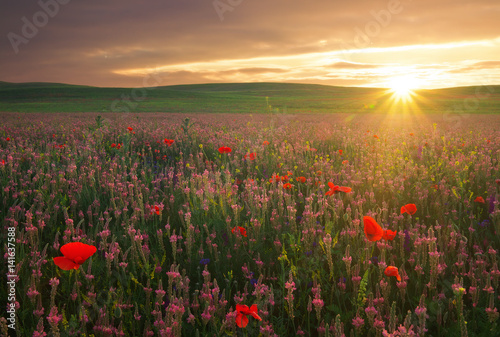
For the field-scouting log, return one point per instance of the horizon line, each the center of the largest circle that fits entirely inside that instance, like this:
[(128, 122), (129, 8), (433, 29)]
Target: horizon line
[(215, 83)]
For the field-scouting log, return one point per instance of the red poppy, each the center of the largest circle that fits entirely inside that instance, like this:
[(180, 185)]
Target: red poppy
[(345, 162), (479, 199), (313, 149), (251, 156), (224, 149), (334, 189), (75, 254), (497, 181), (243, 311), (345, 189), (392, 271), (372, 229), (340, 152), (265, 142), (409, 208), (436, 187), (169, 142), (287, 186), (119, 145), (130, 129), (375, 136), (318, 173), (411, 133), (8, 139), (389, 235), (301, 179), (243, 231), (113, 145), (154, 209)]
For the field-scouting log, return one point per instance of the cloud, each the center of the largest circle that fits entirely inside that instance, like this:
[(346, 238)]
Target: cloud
[(484, 65), (468, 67), (231, 75), (92, 42), (254, 71), (351, 65)]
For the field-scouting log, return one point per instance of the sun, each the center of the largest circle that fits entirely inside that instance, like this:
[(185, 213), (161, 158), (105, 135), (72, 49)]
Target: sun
[(402, 87)]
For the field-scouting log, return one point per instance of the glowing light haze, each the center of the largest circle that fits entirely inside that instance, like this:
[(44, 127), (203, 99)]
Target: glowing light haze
[(382, 43)]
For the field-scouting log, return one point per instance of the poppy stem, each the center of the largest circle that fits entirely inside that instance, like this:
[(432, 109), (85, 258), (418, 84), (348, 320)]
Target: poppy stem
[(309, 322)]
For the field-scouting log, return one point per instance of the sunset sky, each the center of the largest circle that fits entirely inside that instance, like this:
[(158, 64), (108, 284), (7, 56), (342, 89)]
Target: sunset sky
[(423, 43)]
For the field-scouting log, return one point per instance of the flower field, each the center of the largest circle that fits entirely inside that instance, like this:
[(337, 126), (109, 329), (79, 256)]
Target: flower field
[(249, 225)]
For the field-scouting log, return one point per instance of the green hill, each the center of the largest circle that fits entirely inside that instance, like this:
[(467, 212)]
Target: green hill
[(240, 98)]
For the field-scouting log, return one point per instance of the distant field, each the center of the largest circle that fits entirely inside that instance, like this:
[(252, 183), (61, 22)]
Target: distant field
[(241, 98)]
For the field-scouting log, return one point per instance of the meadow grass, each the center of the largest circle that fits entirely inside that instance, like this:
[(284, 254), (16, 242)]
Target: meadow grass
[(241, 98), (171, 259)]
